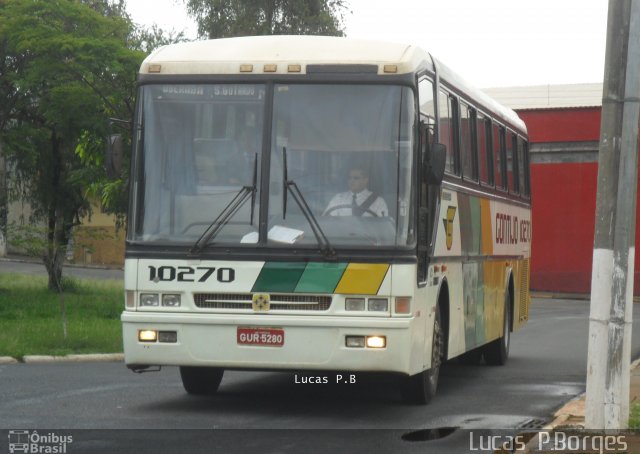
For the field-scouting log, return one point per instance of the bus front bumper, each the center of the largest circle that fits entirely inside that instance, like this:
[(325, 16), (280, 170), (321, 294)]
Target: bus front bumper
[(309, 343)]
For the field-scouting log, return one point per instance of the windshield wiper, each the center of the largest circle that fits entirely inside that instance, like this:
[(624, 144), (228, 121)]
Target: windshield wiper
[(290, 185), (229, 211)]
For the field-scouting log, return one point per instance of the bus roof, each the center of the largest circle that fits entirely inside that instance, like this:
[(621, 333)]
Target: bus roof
[(292, 54), (225, 56)]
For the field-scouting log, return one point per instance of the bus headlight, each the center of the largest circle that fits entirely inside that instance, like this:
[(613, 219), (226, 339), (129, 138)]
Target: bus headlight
[(354, 341), (376, 341), (354, 304), (149, 299), (147, 335), (378, 304), (171, 300)]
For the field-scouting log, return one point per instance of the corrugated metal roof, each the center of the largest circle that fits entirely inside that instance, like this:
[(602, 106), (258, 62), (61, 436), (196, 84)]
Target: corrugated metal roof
[(548, 96)]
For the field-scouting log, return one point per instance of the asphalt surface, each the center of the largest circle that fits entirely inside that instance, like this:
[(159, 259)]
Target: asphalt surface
[(547, 367), (35, 268)]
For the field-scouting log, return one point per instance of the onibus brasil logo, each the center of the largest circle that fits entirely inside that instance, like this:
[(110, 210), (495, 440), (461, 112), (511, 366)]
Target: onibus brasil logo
[(30, 441)]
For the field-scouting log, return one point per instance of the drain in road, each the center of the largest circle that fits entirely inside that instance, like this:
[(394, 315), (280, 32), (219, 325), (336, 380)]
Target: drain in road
[(429, 434)]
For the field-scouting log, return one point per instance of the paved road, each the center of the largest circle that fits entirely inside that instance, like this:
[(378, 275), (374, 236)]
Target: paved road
[(37, 268), (547, 367)]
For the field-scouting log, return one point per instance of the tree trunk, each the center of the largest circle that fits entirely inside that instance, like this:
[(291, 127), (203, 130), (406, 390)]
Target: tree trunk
[(55, 220)]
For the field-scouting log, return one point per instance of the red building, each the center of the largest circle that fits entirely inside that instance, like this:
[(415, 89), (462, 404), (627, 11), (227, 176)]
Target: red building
[(564, 130)]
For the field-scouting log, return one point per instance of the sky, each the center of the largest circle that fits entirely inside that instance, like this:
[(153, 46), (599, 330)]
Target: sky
[(491, 43)]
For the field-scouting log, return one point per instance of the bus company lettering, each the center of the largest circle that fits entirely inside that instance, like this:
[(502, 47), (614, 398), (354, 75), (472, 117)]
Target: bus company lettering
[(511, 231)]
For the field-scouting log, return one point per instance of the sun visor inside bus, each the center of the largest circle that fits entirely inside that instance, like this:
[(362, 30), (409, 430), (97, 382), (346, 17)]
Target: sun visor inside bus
[(342, 69), (348, 118)]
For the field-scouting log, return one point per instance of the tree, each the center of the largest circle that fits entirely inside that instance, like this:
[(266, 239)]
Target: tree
[(228, 18), (65, 68)]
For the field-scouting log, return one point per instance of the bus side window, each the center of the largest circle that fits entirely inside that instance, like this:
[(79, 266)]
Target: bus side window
[(500, 168), (447, 130), (523, 165), (512, 163), (425, 94), (466, 143), (485, 163)]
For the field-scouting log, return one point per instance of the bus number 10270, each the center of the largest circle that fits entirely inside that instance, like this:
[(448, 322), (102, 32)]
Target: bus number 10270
[(190, 274)]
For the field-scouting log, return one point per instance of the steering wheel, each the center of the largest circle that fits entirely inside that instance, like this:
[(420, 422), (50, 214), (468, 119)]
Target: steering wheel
[(338, 207)]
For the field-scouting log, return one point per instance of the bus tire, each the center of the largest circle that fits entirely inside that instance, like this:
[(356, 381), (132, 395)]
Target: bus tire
[(496, 353), (201, 381), (419, 389)]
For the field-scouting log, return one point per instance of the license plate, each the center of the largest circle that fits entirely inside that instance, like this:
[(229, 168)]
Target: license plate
[(268, 337)]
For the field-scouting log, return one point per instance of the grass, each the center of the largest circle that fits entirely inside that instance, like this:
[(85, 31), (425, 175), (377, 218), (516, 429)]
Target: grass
[(634, 417), (31, 317)]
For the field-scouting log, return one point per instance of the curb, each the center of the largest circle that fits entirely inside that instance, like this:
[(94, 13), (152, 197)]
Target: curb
[(65, 264), (539, 294), (8, 360), (91, 358)]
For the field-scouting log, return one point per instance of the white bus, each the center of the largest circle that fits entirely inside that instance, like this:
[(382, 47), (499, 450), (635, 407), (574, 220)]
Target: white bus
[(321, 204)]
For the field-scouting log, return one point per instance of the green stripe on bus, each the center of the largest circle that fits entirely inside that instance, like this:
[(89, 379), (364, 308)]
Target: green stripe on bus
[(320, 277), (279, 277)]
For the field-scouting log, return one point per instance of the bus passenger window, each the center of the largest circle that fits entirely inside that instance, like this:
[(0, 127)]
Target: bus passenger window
[(498, 153), (446, 130), (512, 163), (485, 163), (523, 167), (466, 143)]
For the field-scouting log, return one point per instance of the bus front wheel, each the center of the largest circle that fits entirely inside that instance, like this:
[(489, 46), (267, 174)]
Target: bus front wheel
[(419, 389), (201, 381)]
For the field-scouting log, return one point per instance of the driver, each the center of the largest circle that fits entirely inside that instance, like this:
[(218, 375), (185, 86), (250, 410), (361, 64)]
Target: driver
[(358, 201)]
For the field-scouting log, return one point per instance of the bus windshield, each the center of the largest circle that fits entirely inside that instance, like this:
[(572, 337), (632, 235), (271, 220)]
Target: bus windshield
[(348, 149)]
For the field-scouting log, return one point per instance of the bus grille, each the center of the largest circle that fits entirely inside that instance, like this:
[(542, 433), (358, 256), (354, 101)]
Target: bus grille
[(279, 302)]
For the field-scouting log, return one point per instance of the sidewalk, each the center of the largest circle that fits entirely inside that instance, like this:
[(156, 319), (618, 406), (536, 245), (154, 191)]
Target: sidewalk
[(36, 260), (571, 415), (33, 266), (570, 420)]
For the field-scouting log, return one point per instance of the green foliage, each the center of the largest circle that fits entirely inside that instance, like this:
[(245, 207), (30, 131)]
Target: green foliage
[(228, 18), (634, 417), (29, 239), (65, 68)]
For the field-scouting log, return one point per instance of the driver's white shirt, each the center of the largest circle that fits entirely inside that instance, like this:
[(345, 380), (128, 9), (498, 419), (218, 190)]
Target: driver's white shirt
[(344, 199)]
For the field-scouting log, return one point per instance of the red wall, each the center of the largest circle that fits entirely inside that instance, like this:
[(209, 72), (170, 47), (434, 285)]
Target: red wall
[(564, 203), (562, 125)]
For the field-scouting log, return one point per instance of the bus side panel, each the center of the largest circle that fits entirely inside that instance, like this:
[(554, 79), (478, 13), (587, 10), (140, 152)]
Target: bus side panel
[(422, 311), (494, 287), (484, 241), (455, 278)]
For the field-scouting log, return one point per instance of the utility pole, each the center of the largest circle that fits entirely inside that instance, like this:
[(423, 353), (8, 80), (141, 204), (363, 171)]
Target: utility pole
[(607, 402)]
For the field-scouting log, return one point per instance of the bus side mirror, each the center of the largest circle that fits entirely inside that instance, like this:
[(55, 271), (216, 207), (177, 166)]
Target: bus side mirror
[(113, 156), (435, 163)]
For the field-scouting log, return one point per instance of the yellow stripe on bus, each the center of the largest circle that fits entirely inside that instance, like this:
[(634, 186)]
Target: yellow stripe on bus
[(362, 279)]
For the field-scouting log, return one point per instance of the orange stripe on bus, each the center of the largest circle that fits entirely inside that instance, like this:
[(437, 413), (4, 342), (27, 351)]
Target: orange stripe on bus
[(487, 235)]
